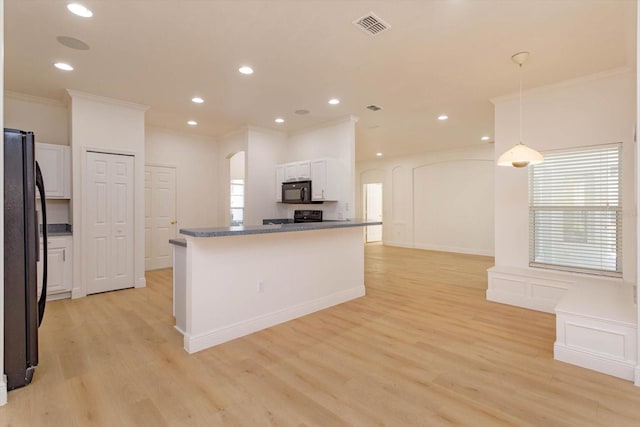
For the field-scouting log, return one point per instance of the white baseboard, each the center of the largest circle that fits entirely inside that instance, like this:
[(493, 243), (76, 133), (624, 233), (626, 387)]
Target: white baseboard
[(141, 282), (194, 343), (398, 244), (582, 357), (637, 380), (521, 301), (469, 251), (3, 390)]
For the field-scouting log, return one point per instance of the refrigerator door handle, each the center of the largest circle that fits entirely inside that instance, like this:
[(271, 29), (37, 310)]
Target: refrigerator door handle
[(43, 297)]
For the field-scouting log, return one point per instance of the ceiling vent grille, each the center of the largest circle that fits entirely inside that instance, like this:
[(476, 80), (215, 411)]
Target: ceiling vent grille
[(374, 107), (371, 24)]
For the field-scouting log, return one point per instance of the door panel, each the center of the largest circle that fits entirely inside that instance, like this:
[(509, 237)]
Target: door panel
[(110, 215), (160, 215)]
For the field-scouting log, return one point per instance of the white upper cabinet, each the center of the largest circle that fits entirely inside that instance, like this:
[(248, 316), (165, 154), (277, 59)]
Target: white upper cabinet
[(326, 175), (297, 171), (326, 180), (55, 164)]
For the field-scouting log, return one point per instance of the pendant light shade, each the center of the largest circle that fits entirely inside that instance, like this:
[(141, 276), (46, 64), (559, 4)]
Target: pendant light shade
[(520, 155)]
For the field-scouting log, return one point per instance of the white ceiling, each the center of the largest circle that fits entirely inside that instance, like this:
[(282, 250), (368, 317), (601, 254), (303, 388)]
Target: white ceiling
[(444, 56)]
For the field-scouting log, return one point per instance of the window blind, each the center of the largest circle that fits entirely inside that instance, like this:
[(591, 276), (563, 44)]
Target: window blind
[(575, 211)]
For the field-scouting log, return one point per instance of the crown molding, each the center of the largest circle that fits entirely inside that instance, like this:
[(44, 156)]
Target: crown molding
[(34, 99), (340, 120), (565, 83), (103, 99)]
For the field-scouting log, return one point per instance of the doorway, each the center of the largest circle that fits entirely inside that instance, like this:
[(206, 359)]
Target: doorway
[(159, 215), (110, 222), (237, 188), (372, 194)]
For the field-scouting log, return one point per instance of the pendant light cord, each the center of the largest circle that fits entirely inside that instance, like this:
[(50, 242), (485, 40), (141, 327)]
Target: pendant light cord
[(520, 140)]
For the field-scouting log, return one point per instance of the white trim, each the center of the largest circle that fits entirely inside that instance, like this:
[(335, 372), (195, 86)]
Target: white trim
[(637, 376), (194, 343), (3, 390), (141, 282), (34, 99), (565, 83), (454, 249), (345, 119), (591, 360), (397, 244), (105, 100), (161, 165)]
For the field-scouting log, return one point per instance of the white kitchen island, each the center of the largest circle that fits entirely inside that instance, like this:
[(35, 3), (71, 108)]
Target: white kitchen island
[(233, 281)]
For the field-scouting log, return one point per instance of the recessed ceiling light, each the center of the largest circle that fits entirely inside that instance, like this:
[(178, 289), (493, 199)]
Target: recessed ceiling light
[(485, 138), (334, 101), (379, 154), (197, 100), (63, 66), (245, 69), (443, 117), (192, 122), (80, 10), (279, 120)]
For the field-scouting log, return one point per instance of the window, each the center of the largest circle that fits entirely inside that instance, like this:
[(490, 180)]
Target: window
[(575, 211), (237, 201)]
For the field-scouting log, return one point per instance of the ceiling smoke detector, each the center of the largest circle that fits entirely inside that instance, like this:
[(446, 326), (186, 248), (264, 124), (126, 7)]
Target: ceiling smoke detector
[(301, 112), (371, 24), (374, 107)]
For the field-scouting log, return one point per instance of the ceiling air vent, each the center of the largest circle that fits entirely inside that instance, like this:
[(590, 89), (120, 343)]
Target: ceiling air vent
[(374, 107), (371, 24)]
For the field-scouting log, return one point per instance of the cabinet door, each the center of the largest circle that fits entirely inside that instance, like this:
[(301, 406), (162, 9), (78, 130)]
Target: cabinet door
[(55, 161), (279, 180), (304, 170), (55, 273), (51, 160), (291, 172), (318, 179), (59, 266)]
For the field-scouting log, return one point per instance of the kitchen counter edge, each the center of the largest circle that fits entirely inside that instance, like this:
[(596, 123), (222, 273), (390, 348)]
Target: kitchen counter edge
[(274, 228)]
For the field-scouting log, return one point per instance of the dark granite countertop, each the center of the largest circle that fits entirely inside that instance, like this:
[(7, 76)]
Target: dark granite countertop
[(178, 242), (54, 230), (274, 228)]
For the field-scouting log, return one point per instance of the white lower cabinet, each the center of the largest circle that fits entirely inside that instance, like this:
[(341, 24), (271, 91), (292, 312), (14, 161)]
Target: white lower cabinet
[(59, 270)]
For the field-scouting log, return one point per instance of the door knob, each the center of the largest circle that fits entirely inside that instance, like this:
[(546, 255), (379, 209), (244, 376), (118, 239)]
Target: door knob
[(173, 222)]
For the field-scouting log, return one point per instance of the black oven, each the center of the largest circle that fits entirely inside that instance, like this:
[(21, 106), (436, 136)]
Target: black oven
[(296, 192)]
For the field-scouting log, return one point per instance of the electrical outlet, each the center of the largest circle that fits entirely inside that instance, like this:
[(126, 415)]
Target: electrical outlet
[(260, 286), (346, 207)]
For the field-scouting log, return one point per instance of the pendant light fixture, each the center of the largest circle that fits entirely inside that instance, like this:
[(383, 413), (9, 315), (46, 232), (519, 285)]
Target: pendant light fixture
[(520, 155)]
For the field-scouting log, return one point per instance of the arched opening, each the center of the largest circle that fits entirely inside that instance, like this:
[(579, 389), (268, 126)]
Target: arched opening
[(236, 190)]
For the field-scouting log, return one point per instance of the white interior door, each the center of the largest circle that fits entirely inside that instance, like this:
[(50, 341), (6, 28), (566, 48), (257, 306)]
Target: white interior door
[(159, 215), (111, 224), (373, 210)]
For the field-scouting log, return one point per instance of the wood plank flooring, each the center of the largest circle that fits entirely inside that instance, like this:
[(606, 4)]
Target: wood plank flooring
[(423, 348)]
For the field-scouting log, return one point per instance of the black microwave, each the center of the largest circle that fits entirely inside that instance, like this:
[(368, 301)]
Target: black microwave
[(297, 192)]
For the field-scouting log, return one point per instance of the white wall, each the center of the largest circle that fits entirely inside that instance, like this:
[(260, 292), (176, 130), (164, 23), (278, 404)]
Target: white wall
[(3, 381), (111, 126), (335, 140), (47, 118), (590, 111), (265, 149), (440, 200), (196, 161)]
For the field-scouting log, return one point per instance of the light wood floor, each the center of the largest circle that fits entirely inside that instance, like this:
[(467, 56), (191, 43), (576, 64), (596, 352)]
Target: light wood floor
[(423, 348)]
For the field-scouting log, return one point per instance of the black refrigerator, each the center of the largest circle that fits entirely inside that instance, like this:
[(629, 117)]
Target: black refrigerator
[(23, 311)]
